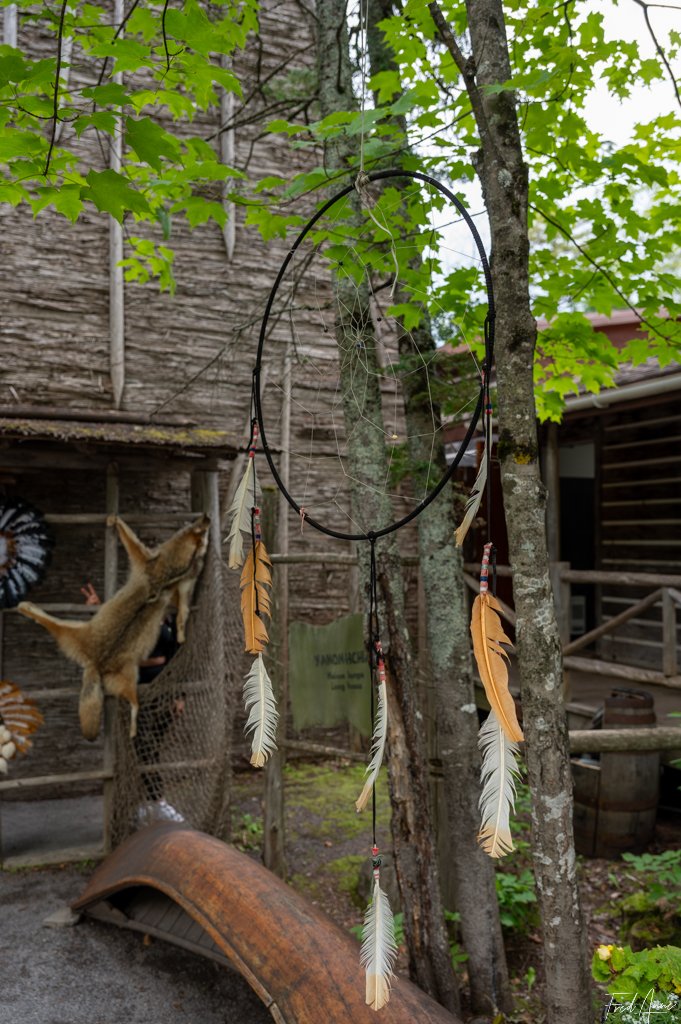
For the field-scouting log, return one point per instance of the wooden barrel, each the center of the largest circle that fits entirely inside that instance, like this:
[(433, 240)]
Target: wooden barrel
[(616, 799)]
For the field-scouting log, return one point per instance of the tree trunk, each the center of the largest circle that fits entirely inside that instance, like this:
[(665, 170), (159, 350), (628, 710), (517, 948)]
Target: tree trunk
[(415, 859), (450, 656), (503, 175)]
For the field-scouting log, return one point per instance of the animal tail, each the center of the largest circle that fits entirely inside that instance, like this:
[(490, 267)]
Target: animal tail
[(90, 706)]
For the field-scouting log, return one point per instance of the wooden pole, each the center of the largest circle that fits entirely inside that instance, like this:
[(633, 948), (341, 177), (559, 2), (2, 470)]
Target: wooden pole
[(609, 627), (584, 741), (670, 663), (116, 281), (274, 853), (205, 497), (282, 535), (630, 672), (110, 587), (227, 157), (10, 26)]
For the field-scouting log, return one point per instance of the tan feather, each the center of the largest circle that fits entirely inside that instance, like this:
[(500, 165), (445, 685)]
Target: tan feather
[(19, 715), (488, 636), (256, 579)]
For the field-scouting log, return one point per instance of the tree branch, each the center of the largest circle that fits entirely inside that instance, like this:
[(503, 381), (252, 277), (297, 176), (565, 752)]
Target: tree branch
[(466, 68), (115, 37), (55, 102), (601, 270), (662, 55)]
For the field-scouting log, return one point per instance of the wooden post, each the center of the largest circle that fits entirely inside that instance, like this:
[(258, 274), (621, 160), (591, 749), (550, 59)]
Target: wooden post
[(354, 606), (10, 26), (205, 497), (670, 665), (227, 157), (274, 852), (110, 586), (116, 282), (281, 583)]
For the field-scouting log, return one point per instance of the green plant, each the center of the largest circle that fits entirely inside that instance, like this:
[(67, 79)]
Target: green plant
[(638, 977), (650, 914), (517, 900), (248, 833)]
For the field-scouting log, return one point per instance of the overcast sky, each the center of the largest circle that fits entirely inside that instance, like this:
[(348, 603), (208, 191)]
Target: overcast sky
[(625, 20)]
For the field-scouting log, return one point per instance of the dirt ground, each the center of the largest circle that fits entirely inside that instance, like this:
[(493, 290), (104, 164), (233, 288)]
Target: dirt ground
[(97, 974), (93, 973)]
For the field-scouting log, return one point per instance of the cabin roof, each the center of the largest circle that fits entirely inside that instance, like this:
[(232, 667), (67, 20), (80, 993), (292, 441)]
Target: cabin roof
[(173, 439)]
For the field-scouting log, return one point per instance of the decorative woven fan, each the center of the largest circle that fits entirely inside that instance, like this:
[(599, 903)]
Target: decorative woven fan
[(25, 547), (19, 718)]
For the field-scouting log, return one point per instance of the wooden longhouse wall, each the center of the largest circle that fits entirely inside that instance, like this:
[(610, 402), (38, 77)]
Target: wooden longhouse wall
[(188, 362), (639, 499)]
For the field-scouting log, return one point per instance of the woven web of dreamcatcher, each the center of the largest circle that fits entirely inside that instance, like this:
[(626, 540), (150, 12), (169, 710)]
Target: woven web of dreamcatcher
[(354, 309)]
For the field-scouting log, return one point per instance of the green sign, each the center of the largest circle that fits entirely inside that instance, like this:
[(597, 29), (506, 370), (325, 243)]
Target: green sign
[(329, 678)]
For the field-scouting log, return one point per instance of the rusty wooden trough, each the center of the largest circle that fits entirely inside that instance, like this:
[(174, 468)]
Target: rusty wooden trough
[(198, 892)]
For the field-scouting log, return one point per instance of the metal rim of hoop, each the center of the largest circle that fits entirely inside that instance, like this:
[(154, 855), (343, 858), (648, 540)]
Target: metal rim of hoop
[(373, 535)]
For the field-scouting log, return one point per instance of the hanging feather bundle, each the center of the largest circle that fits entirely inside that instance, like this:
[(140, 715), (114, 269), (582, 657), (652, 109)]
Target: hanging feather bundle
[(488, 636), (474, 500), (19, 718), (262, 712), (378, 737), (240, 514), (499, 771), (256, 579), (379, 948)]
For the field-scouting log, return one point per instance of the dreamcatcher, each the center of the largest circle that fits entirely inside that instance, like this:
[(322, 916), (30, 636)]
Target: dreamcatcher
[(19, 719), (359, 307), (25, 546)]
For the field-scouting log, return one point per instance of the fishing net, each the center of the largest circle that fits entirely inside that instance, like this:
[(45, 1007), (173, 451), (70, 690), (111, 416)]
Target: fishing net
[(181, 757)]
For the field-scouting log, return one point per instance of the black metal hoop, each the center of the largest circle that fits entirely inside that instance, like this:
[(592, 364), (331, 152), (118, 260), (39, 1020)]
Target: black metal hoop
[(372, 535)]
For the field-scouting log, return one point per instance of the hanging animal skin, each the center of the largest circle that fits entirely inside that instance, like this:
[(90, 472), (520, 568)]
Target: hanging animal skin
[(19, 718), (25, 546)]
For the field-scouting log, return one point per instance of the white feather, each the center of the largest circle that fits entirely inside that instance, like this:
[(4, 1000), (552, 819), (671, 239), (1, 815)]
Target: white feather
[(499, 769), (379, 948), (240, 515), (377, 746), (263, 715), (474, 499)]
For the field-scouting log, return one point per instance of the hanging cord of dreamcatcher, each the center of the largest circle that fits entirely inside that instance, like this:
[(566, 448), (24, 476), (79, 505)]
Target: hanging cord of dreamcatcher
[(478, 409)]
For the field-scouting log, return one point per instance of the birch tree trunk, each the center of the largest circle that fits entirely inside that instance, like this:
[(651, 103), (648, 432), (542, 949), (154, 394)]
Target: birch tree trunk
[(503, 174), (415, 857), (448, 635)]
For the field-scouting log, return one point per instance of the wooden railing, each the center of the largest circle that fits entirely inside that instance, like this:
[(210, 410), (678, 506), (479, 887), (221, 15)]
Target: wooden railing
[(667, 590)]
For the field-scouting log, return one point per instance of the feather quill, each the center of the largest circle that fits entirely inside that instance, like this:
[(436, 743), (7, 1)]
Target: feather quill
[(488, 636), (474, 499), (263, 715), (240, 515), (256, 580), (19, 715), (379, 948), (499, 770), (377, 745)]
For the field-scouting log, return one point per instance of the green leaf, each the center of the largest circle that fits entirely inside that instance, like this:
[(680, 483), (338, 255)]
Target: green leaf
[(150, 142), (111, 193), (113, 94)]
